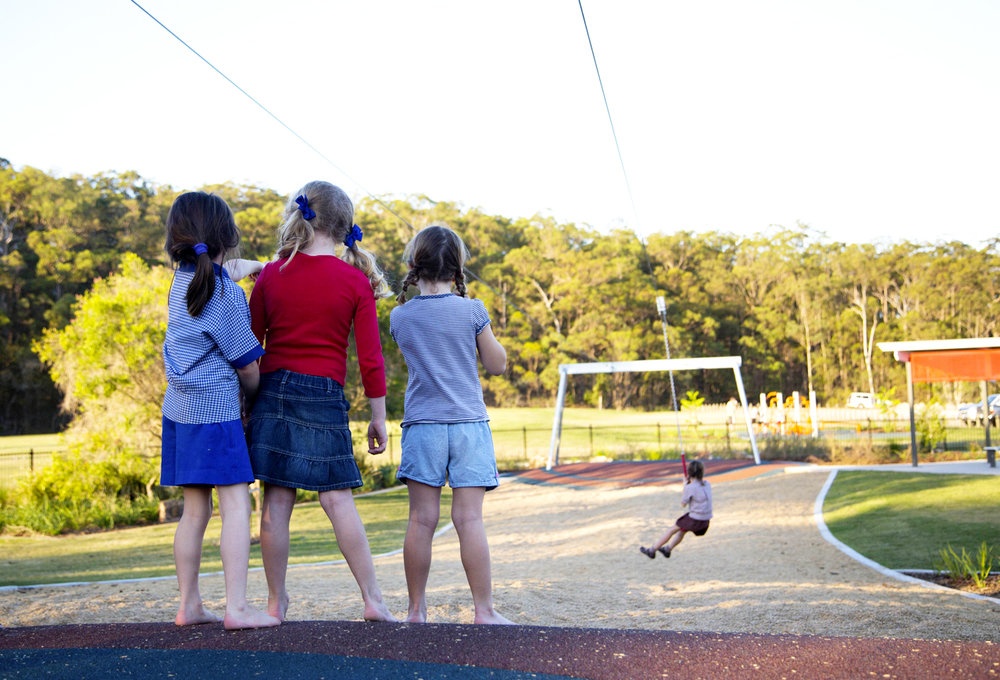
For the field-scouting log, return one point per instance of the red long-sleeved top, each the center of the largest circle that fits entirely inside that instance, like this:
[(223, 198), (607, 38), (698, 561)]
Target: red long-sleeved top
[(303, 315)]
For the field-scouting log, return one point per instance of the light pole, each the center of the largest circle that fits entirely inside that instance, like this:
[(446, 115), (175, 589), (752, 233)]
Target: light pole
[(661, 308)]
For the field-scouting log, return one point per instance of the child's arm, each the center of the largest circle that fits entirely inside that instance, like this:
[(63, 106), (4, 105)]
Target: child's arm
[(378, 437), (249, 380), (491, 352), (239, 269)]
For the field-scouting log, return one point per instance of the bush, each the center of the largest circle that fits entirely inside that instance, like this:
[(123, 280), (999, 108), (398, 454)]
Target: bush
[(974, 567), (74, 493)]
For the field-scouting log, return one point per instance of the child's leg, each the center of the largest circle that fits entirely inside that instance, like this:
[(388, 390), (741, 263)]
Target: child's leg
[(666, 537), (275, 515), (467, 514), (353, 542), (188, 538), (234, 506), (425, 511), (677, 539)]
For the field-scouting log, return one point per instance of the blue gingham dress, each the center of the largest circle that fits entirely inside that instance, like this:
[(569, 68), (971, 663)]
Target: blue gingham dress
[(203, 439)]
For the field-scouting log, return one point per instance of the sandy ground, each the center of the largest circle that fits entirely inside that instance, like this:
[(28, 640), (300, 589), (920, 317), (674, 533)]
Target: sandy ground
[(567, 557)]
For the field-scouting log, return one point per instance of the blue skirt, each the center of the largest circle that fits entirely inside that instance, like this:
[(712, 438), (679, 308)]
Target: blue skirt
[(208, 454), (300, 436)]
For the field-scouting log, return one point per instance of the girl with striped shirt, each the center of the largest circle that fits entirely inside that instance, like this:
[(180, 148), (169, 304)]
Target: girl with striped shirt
[(446, 432)]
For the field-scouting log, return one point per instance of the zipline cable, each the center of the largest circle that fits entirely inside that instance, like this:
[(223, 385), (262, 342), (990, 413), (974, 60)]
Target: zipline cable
[(315, 150), (270, 113), (607, 108), (614, 135)]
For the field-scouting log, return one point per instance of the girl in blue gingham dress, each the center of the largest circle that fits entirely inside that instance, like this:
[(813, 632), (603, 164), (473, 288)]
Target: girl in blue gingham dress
[(209, 354)]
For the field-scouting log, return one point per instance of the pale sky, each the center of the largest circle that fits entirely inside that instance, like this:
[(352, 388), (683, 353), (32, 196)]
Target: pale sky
[(869, 120)]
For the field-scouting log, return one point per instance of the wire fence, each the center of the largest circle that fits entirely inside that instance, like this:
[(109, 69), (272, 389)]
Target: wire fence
[(530, 447)]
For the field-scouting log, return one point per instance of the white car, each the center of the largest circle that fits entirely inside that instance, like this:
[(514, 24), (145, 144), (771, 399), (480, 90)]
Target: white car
[(861, 400), (973, 413)]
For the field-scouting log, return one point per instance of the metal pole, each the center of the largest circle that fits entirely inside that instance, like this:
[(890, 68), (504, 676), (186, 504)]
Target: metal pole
[(661, 307), (557, 422)]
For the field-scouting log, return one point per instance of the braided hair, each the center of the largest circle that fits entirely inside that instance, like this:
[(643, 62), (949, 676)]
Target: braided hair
[(436, 253)]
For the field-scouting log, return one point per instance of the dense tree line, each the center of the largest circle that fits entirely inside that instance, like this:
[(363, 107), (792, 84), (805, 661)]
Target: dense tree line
[(804, 311)]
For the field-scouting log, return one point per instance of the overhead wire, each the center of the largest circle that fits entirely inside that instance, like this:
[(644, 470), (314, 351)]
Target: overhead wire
[(628, 186), (614, 135), (270, 113), (607, 108), (311, 146)]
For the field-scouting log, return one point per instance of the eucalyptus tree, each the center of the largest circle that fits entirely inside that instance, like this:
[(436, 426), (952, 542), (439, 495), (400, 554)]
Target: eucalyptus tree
[(704, 317), (762, 266)]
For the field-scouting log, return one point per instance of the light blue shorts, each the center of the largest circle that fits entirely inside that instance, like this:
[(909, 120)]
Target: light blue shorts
[(461, 453)]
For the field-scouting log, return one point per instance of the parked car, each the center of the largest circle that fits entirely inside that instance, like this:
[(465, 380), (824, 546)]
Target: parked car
[(861, 400), (973, 413)]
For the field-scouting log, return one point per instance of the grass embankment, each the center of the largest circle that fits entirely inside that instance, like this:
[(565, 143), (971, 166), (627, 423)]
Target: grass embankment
[(904, 520), (19, 454), (144, 552)]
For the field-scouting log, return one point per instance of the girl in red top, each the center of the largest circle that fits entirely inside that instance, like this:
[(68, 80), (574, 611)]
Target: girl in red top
[(303, 307)]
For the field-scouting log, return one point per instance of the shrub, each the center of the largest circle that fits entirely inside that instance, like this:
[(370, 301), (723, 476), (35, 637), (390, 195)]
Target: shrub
[(74, 493), (974, 567)]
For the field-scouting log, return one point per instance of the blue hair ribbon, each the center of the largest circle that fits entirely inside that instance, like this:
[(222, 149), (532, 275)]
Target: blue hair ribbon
[(353, 236), (307, 212), (200, 249)]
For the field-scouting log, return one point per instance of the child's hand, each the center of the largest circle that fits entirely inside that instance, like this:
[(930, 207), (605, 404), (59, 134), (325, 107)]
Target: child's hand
[(378, 437), (239, 269)]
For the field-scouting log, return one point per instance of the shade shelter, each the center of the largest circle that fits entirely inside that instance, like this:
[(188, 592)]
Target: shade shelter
[(927, 361)]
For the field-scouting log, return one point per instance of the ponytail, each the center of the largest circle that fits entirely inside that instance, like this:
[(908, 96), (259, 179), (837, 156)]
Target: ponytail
[(362, 259), (202, 286)]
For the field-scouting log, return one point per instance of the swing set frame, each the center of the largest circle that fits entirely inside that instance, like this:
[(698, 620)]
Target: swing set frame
[(647, 366)]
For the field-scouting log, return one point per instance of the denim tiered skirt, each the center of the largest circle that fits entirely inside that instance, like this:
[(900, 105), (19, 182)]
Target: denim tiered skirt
[(299, 433)]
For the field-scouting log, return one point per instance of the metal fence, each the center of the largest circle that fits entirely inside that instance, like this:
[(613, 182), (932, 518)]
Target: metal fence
[(706, 433)]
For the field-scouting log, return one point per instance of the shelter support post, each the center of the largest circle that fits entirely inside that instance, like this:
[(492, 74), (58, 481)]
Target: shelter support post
[(913, 419), (984, 396)]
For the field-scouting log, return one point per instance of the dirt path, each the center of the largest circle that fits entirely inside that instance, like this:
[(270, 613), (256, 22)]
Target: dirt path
[(569, 557)]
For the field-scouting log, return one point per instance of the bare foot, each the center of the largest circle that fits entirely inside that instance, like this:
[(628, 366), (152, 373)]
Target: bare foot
[(195, 616), (249, 617), (416, 614), (493, 618), (278, 608), (377, 611)]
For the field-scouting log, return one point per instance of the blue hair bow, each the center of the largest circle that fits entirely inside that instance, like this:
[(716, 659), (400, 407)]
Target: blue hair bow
[(307, 212), (353, 236)]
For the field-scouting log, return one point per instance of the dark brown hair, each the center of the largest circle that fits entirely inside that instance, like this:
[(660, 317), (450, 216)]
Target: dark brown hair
[(199, 217), (436, 253)]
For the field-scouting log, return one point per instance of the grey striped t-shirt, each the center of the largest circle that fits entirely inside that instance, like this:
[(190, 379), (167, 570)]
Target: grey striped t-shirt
[(437, 335)]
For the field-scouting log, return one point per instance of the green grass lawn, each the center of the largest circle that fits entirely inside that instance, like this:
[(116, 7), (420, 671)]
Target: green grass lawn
[(143, 552), (904, 520), (19, 453)]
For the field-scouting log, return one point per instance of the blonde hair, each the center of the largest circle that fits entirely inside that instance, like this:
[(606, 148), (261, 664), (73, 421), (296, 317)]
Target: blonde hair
[(334, 216), (436, 253)]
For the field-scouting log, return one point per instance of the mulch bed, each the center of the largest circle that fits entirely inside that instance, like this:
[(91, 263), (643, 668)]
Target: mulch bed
[(990, 589)]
